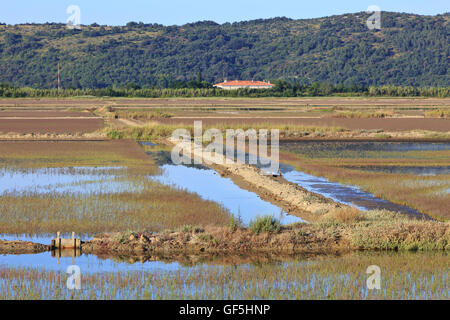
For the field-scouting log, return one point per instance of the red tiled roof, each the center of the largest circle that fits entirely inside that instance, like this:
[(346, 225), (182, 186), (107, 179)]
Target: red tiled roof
[(244, 83)]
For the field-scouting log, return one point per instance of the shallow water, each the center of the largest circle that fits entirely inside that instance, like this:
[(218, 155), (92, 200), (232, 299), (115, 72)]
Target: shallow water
[(415, 170), (74, 180), (345, 194), (211, 186), (41, 238), (88, 263), (348, 194), (406, 275), (356, 149)]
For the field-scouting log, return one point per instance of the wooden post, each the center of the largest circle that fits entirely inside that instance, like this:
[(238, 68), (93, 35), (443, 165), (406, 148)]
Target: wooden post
[(61, 243), (58, 240), (74, 247)]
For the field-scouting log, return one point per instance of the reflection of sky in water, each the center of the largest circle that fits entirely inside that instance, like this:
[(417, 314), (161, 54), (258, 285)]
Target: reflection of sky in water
[(438, 187), (211, 186), (419, 285), (415, 170), (83, 180), (87, 263), (367, 146), (316, 149), (345, 194), (90, 264), (425, 183), (41, 238)]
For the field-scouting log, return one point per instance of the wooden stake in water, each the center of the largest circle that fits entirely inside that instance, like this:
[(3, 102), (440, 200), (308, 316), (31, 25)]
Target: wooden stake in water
[(74, 247), (58, 241)]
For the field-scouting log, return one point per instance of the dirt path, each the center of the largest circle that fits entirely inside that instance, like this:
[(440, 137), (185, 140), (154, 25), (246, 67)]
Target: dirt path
[(292, 198)]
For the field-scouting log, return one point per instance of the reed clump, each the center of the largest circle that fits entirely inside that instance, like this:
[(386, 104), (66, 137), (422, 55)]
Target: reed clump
[(361, 114), (266, 224), (439, 113), (142, 115), (346, 215)]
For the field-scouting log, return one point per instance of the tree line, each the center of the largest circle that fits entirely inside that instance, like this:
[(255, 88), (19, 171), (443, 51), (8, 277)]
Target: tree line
[(203, 88)]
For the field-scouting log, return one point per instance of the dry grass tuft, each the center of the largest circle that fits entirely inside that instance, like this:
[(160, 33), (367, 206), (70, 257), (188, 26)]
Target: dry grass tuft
[(346, 215)]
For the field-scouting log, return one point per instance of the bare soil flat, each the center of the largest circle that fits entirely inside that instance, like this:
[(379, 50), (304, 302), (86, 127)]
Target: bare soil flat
[(112, 150), (42, 121), (43, 114), (69, 126), (53, 116)]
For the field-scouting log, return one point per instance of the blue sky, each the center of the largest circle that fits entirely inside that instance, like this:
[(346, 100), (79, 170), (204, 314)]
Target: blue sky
[(170, 12)]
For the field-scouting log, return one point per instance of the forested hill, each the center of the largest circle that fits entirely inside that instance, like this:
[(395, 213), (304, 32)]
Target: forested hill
[(408, 50)]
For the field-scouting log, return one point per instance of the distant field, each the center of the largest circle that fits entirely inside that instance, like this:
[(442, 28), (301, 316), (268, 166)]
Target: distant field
[(235, 102), (48, 122), (49, 126), (43, 114), (84, 115), (394, 124)]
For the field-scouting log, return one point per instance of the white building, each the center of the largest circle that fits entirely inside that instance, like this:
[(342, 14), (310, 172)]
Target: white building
[(238, 84)]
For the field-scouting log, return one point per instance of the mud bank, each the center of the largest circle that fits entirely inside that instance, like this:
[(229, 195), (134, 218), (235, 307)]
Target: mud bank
[(217, 240), (379, 230), (22, 247), (335, 233), (212, 240)]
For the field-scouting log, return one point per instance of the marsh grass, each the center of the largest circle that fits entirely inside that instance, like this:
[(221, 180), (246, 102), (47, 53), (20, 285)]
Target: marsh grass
[(346, 215), (362, 114), (385, 230), (341, 230), (403, 276), (440, 113), (30, 154), (147, 205), (143, 115), (113, 199), (157, 131)]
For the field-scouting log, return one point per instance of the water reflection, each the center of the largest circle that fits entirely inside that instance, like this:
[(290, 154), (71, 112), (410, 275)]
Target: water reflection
[(415, 170), (345, 194), (73, 180), (211, 186)]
